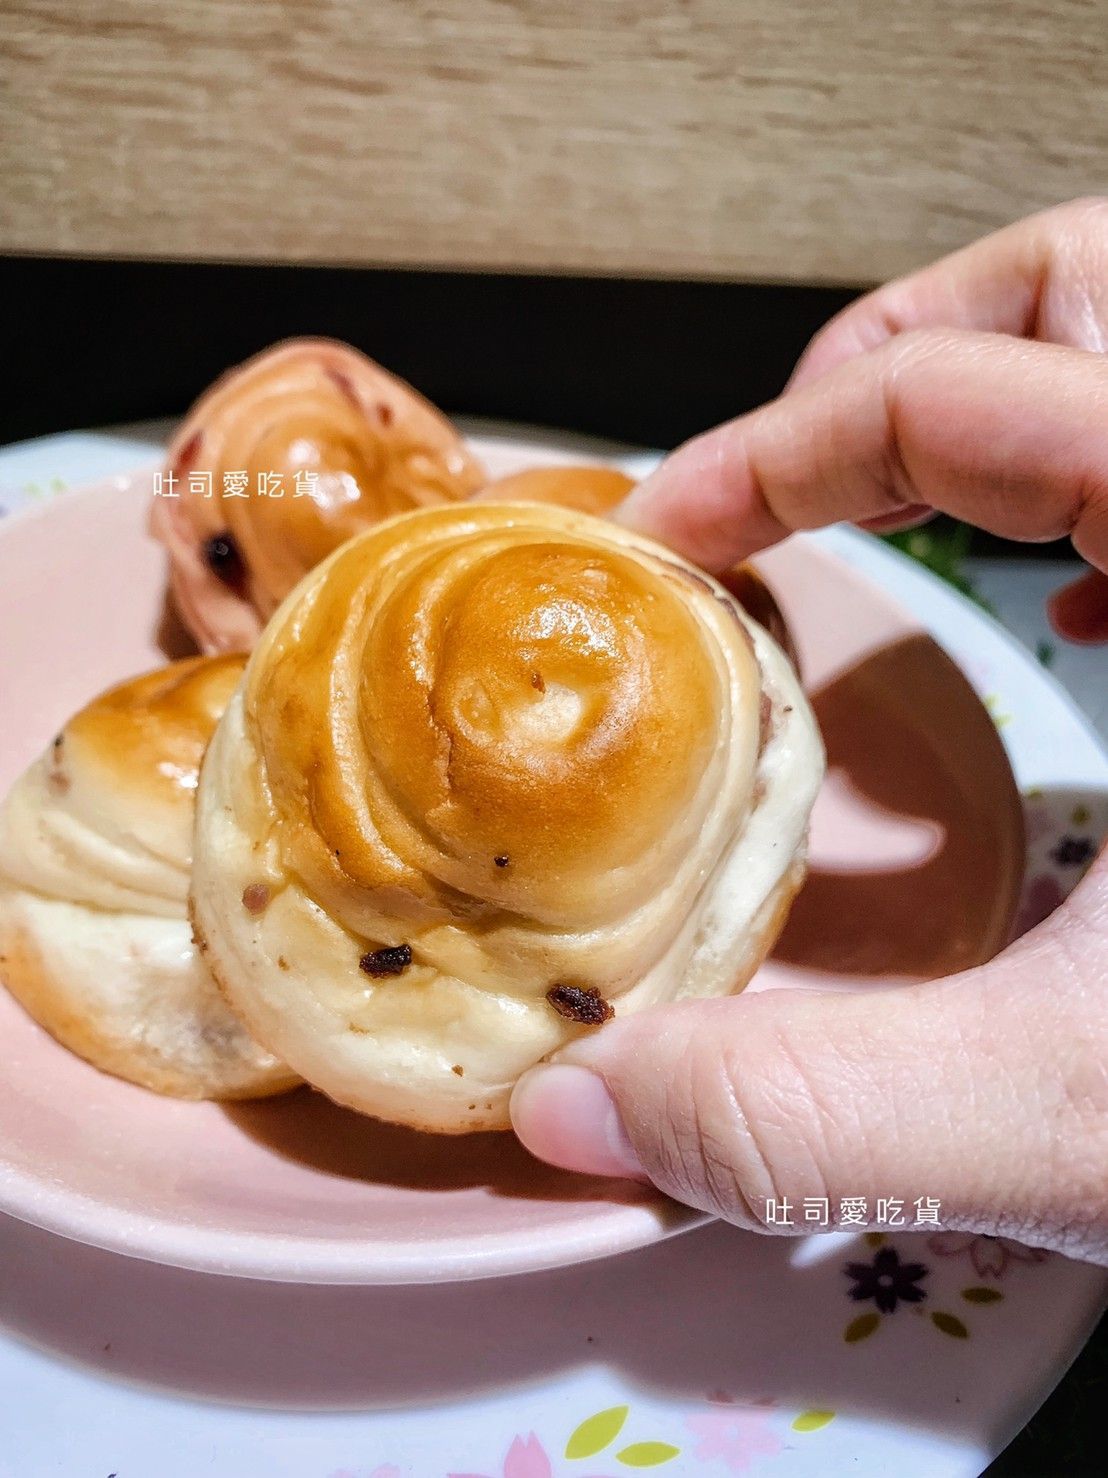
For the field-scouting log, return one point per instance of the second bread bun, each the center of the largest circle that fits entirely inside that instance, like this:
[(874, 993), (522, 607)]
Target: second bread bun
[(95, 847), (325, 443)]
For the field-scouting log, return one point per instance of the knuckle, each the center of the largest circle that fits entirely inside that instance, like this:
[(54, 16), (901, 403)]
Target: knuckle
[(700, 1149), (1069, 258), (1086, 214), (741, 1123), (1077, 1120), (696, 1149), (915, 345), (1076, 246)]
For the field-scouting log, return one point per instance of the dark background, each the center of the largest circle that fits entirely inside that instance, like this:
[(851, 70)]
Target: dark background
[(89, 343), (94, 342), (649, 362)]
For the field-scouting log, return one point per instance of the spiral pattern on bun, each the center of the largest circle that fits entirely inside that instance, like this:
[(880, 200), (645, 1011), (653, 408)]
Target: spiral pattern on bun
[(598, 490), (95, 850), (500, 770), (326, 443)]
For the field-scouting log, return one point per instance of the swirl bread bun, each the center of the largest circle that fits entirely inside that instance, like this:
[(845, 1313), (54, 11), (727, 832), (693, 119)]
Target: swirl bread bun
[(597, 490), (95, 848), (364, 444), (500, 770)]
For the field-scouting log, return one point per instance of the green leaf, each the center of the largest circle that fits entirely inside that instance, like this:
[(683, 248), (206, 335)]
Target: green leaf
[(942, 548), (949, 1325), (647, 1454), (811, 1421), (861, 1328), (982, 1295), (596, 1432)]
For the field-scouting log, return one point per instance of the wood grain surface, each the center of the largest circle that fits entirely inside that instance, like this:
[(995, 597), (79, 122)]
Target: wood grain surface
[(792, 140)]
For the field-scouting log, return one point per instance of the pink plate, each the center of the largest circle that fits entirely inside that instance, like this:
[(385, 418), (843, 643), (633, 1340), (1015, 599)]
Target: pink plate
[(917, 858)]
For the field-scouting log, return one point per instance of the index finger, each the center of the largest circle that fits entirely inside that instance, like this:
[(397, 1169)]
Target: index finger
[(1007, 435), (1043, 278)]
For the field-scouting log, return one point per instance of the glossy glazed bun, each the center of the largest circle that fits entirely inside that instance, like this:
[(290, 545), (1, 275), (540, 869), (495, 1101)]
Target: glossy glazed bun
[(498, 771), (599, 490), (95, 849), (587, 488), (364, 443)]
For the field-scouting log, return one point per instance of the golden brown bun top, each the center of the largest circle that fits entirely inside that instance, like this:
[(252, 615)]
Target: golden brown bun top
[(589, 489), (105, 815), (308, 406), (598, 490), (499, 705), (146, 737)]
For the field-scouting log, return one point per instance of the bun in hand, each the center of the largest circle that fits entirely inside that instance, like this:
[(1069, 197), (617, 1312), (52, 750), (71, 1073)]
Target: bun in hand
[(500, 771)]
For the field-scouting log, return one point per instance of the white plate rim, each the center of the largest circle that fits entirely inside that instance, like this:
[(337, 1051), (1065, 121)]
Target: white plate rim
[(956, 625)]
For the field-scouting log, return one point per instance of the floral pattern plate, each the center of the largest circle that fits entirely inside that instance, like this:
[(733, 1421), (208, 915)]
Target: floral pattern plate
[(713, 1353)]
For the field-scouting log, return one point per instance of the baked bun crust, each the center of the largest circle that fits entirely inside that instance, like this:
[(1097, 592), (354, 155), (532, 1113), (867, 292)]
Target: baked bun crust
[(597, 490), (309, 406), (587, 488), (552, 763), (95, 850)]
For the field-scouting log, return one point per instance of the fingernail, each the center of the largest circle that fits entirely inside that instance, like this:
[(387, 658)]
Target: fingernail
[(566, 1116)]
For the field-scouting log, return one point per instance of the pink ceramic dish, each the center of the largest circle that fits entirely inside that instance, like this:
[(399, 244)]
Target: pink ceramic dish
[(917, 856)]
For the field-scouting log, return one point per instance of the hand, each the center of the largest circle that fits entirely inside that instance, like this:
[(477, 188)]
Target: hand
[(978, 387)]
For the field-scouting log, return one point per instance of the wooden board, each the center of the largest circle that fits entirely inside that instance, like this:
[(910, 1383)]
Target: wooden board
[(793, 140)]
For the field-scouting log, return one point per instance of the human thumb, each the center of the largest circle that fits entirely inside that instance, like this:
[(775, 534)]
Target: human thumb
[(986, 1092)]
